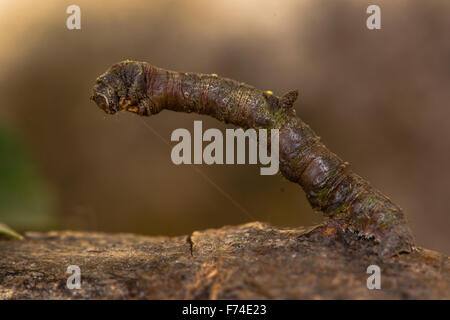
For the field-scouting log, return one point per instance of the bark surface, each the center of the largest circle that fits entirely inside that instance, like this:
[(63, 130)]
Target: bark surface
[(252, 261)]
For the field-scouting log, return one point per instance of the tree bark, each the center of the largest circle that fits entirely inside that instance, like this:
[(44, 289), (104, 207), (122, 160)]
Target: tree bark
[(251, 261)]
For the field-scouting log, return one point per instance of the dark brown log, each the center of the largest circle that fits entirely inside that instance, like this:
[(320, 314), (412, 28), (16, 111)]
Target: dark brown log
[(252, 261)]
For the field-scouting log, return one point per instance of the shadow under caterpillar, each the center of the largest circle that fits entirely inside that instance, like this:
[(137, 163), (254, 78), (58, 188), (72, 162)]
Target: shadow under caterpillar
[(348, 200)]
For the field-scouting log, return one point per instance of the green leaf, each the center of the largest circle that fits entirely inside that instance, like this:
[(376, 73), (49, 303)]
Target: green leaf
[(7, 232)]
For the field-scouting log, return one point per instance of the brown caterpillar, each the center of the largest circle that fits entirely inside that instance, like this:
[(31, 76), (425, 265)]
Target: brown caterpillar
[(330, 186)]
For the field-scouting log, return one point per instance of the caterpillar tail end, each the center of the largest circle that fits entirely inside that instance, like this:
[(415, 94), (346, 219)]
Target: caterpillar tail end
[(397, 240)]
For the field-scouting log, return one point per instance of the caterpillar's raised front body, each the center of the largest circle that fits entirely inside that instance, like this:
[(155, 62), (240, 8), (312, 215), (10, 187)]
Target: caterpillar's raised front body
[(330, 185)]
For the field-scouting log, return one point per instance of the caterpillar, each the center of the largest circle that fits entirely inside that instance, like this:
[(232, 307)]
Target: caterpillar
[(349, 201)]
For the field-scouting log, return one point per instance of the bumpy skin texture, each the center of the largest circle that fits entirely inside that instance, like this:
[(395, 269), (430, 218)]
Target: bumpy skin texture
[(330, 186)]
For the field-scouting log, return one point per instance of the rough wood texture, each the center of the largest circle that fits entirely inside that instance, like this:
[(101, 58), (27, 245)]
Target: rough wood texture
[(252, 261)]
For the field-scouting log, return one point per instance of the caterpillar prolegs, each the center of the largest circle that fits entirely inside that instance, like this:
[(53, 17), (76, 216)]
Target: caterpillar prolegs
[(330, 186)]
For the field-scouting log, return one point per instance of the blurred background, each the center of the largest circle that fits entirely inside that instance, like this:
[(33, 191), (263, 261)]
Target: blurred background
[(379, 99)]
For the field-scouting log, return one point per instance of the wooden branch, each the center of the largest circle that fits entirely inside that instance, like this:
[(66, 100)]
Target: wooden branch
[(252, 261)]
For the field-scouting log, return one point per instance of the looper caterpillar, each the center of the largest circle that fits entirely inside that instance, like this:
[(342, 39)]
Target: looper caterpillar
[(330, 186)]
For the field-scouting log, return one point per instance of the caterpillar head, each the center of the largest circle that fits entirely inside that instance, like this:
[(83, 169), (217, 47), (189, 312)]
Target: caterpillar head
[(123, 87)]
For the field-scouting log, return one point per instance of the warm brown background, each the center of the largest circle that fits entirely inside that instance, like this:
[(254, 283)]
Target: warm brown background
[(379, 99)]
